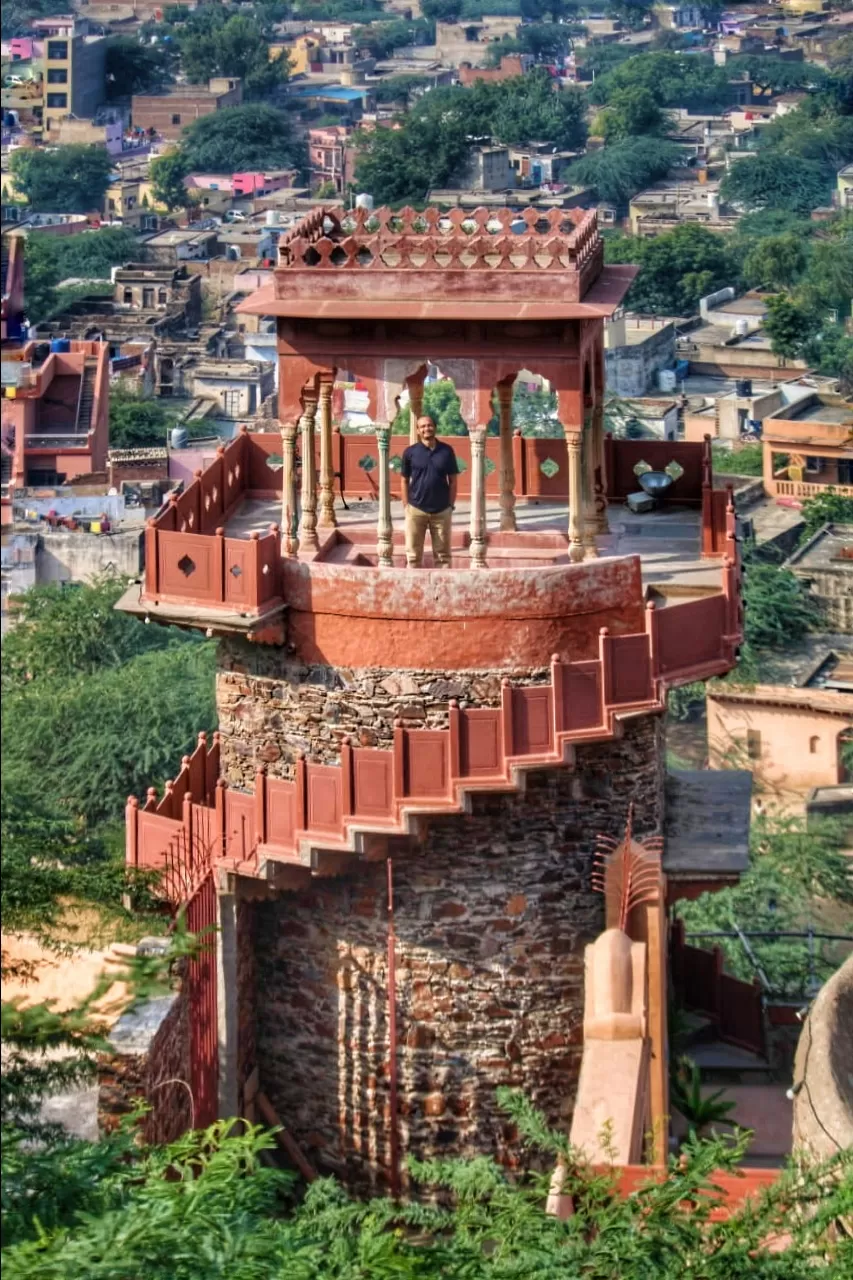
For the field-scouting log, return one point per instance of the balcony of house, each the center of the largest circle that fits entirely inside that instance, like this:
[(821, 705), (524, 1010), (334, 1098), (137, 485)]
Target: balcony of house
[(808, 448), (518, 589)]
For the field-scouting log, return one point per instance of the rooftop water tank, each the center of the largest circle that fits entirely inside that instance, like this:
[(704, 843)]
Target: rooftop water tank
[(741, 328), (743, 386), (61, 345), (666, 380), (179, 437), (365, 202)]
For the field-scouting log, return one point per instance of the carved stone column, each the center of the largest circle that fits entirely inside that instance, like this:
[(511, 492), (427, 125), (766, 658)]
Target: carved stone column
[(477, 436), (416, 404), (507, 470), (327, 518), (590, 523), (308, 540), (384, 528), (289, 512), (574, 445)]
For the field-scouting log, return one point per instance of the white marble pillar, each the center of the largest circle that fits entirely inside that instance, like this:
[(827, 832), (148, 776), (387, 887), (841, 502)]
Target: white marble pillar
[(308, 540), (477, 436), (326, 518), (289, 513), (416, 404), (384, 528), (574, 446), (507, 470)]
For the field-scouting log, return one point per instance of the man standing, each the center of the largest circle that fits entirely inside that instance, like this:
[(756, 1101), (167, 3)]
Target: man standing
[(429, 477)]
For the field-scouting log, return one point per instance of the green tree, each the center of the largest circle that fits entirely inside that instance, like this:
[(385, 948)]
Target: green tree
[(132, 67), (770, 180), (214, 42), (788, 325), (825, 508), (246, 137), (168, 173), (442, 404), (676, 268), (137, 422), (777, 75), (674, 79), (83, 708), (629, 113), (778, 609), (776, 262), (75, 175), (526, 109), (619, 171)]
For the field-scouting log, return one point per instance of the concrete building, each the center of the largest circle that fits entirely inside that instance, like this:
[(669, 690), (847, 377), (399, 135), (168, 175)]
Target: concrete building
[(237, 387), (456, 738), (166, 114), (636, 349), (330, 158), (55, 411), (825, 565), (74, 76), (510, 66), (815, 435), (458, 42), (790, 738)]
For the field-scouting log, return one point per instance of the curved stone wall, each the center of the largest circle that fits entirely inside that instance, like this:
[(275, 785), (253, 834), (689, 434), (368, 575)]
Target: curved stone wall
[(823, 1102), (500, 619)]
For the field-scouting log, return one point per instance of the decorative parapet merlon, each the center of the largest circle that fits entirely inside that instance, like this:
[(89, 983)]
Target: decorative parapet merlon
[(561, 248)]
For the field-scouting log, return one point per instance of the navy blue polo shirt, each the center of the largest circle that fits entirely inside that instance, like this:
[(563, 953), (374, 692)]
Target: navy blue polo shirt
[(428, 472)]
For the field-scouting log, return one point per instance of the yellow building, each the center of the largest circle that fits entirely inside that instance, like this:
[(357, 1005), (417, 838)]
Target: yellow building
[(844, 187), (74, 75), (803, 7)]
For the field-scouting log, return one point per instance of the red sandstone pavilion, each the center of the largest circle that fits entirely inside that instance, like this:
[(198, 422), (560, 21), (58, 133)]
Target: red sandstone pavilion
[(396, 823)]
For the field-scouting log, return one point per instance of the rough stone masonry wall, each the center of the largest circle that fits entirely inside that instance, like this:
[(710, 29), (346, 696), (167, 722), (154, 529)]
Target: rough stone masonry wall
[(270, 708), (149, 1055), (492, 913)]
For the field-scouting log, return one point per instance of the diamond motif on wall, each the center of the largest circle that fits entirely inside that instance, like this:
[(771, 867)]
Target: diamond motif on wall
[(462, 465), (549, 467), (186, 566), (235, 571), (489, 466), (367, 463), (396, 463), (275, 462), (674, 470)]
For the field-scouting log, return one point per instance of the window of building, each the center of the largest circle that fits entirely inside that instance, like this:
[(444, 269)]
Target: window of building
[(162, 297), (57, 75), (814, 464), (176, 119), (753, 744), (814, 743), (147, 298), (57, 50), (57, 99), (128, 295)]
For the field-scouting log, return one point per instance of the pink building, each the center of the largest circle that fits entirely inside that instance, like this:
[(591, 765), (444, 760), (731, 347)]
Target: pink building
[(21, 49), (262, 184), (332, 160)]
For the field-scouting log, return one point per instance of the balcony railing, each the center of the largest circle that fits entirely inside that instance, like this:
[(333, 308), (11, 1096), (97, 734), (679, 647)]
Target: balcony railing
[(200, 821), (803, 489), (190, 560)]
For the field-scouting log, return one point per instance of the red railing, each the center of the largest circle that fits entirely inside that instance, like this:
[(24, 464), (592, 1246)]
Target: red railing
[(735, 1007), (188, 558), (325, 806), (202, 919)]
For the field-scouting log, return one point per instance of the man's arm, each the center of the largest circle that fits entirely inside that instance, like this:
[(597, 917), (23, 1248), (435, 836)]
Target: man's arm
[(451, 488), (405, 472)]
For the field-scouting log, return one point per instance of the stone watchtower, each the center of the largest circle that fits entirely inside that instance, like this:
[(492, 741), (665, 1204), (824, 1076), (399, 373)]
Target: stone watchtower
[(396, 822)]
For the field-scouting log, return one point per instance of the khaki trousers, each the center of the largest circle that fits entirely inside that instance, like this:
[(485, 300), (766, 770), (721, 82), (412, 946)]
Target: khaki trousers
[(438, 524)]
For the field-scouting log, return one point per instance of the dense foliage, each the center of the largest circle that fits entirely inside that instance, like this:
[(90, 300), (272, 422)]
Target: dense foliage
[(795, 872), (252, 136), (209, 1205), (133, 67), (137, 422), (676, 269), (826, 508), (48, 260), (619, 171), (96, 705), (430, 145), (76, 176)]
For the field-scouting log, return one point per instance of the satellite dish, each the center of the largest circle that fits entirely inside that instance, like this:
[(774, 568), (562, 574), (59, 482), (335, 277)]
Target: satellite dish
[(654, 483)]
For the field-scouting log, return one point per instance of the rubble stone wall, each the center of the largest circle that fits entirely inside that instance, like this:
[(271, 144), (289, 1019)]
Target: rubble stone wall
[(270, 709), (492, 913)]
